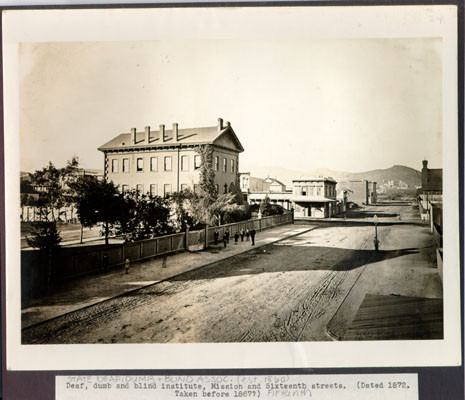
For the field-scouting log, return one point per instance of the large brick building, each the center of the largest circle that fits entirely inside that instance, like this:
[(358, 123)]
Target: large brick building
[(165, 161)]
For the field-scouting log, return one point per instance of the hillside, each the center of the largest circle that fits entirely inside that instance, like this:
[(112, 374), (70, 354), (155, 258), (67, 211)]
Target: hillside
[(396, 173)]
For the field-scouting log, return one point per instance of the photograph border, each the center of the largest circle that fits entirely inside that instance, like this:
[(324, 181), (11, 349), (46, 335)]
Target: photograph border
[(431, 371)]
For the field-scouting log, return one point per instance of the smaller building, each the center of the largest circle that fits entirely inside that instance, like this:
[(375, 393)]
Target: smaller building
[(274, 185), (314, 197)]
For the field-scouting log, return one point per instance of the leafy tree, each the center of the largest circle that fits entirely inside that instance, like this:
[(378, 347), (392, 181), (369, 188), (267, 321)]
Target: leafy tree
[(142, 216), (50, 197), (44, 235), (267, 208), (180, 203), (206, 212), (240, 213), (96, 201)]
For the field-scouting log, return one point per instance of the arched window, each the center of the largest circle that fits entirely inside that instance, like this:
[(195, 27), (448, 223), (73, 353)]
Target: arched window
[(225, 188)]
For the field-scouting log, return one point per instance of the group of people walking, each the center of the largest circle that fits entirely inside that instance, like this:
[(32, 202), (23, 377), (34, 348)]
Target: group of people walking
[(248, 234)]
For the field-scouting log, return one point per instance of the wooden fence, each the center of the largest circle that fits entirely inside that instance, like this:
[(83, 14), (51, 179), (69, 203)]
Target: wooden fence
[(70, 262)]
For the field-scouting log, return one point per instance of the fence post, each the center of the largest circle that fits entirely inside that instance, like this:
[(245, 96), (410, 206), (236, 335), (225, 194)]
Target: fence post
[(206, 235), (186, 240)]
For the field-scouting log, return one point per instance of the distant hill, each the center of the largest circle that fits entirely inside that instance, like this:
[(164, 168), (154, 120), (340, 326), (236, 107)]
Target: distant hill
[(396, 173)]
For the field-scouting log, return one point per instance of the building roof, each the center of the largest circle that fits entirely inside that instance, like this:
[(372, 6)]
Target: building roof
[(311, 199), (315, 179), (190, 136), (273, 181)]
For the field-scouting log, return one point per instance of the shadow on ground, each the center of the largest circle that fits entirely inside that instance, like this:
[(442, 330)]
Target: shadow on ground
[(275, 258)]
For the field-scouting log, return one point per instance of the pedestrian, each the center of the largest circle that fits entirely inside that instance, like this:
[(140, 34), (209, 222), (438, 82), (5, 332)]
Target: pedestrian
[(225, 239), (216, 235), (242, 234), (105, 263), (252, 235), (247, 234), (227, 235), (126, 265), (236, 238)]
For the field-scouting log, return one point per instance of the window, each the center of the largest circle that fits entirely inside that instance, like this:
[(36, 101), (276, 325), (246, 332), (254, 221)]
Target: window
[(114, 165), (196, 162), (196, 188), (225, 165), (185, 163), (217, 163), (225, 188), (318, 191), (139, 188), (183, 186), (304, 190), (153, 164), (140, 164), (153, 190), (124, 188), (168, 163), (125, 164), (167, 189), (232, 166)]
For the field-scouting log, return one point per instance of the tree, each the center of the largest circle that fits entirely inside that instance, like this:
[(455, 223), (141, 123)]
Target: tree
[(267, 208), (44, 235), (50, 197), (142, 216), (96, 201), (181, 217)]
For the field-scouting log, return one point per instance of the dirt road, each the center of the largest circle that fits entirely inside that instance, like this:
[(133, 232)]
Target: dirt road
[(287, 291)]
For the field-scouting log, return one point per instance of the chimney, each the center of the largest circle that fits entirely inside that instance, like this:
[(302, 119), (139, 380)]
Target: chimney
[(134, 135), (228, 124), (220, 124), (175, 132), (162, 133), (147, 134)]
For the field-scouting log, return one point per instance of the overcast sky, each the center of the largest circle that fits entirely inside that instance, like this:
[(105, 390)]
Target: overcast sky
[(350, 105)]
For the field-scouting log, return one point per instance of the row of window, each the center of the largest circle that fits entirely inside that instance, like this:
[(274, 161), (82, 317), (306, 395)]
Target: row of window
[(167, 189), (317, 191), (167, 164)]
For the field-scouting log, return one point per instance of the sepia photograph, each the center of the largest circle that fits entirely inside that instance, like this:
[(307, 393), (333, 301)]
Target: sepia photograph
[(227, 189)]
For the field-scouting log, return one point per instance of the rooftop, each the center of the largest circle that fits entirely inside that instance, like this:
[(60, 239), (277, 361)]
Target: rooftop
[(315, 179), (175, 137)]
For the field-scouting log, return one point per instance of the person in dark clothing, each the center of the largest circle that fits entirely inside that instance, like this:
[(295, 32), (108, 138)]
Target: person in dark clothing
[(236, 238), (247, 234), (216, 235), (252, 235), (227, 235), (225, 239), (242, 234)]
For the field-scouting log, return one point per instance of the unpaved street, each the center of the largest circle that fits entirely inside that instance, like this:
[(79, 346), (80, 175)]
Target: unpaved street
[(287, 291)]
